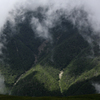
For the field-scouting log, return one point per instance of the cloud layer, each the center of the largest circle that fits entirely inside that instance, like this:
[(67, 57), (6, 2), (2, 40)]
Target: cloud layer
[(70, 8), (67, 6), (97, 87), (82, 13)]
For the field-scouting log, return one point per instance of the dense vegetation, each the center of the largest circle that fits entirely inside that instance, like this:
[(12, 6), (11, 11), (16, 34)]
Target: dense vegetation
[(38, 81), (31, 65)]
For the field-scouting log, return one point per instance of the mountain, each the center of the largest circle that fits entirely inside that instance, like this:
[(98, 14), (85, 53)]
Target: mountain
[(37, 66)]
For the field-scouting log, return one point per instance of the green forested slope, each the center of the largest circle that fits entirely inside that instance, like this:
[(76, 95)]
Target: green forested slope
[(52, 68), (31, 65), (38, 81)]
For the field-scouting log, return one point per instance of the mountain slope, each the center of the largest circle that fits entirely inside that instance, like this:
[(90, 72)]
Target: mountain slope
[(31, 65), (38, 81)]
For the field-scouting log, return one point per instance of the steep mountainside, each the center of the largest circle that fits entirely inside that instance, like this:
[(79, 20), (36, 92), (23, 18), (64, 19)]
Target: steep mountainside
[(31, 65)]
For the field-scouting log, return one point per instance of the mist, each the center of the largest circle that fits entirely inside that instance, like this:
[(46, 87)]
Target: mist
[(84, 15), (2, 85), (97, 87)]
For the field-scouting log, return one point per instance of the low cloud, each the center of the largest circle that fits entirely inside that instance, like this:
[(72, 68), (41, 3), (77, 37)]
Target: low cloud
[(84, 14), (97, 87), (2, 85)]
